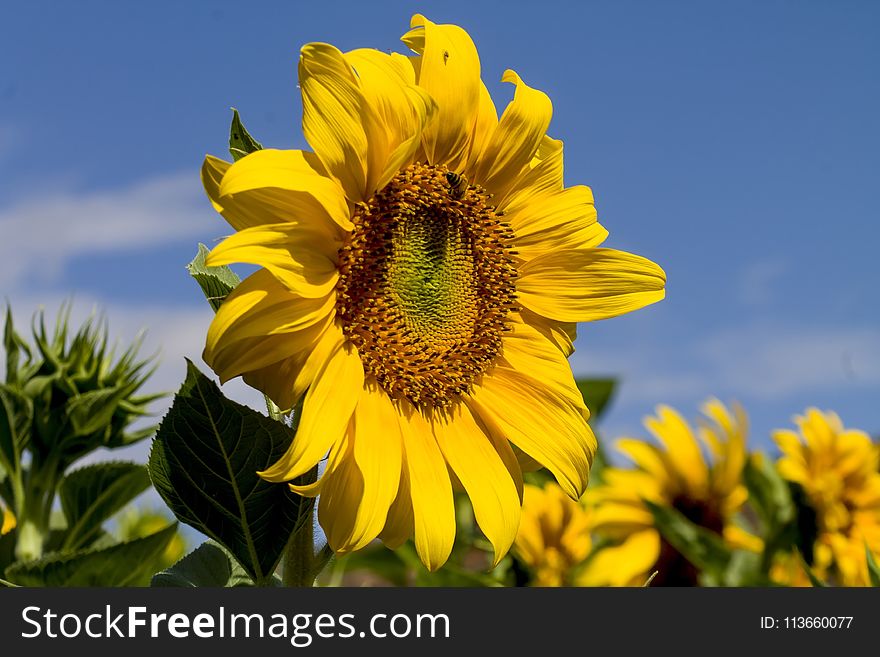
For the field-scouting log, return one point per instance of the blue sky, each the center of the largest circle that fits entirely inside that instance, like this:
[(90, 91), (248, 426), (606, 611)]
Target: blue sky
[(733, 143)]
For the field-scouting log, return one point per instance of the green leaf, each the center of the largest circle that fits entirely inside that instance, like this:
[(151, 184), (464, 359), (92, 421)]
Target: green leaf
[(703, 548), (90, 495), (745, 569), (204, 463), (208, 565), (123, 564), (873, 568), (597, 393), (216, 282), (240, 141), (768, 493)]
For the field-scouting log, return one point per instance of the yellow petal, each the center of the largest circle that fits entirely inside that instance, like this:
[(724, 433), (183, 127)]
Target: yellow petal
[(557, 221), (339, 503), (739, 538), (789, 443), (651, 459), (430, 487), (377, 453), (515, 141), (545, 426), (620, 520), (484, 127), (543, 176), (484, 476), (509, 458), (339, 123), (529, 352), (682, 447), (388, 84), (213, 170), (327, 409), (399, 525), (298, 255), (261, 306), (339, 453), (276, 186), (285, 381), (561, 334), (589, 284), (231, 359), (449, 70), (627, 564), (8, 523)]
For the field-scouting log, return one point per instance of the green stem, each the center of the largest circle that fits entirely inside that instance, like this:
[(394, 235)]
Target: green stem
[(37, 500), (298, 563)]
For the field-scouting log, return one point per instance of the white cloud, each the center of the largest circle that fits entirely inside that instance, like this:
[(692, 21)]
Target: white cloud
[(42, 235), (758, 361), (772, 362)]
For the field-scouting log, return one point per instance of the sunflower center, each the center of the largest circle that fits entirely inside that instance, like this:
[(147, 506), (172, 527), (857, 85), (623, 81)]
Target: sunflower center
[(426, 283)]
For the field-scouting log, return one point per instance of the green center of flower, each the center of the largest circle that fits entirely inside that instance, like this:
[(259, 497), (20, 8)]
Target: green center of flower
[(426, 283)]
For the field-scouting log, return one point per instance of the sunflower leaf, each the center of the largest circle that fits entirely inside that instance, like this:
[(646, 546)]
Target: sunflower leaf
[(240, 141), (703, 548), (122, 564), (90, 495), (204, 463), (597, 393), (768, 493), (216, 282), (210, 564)]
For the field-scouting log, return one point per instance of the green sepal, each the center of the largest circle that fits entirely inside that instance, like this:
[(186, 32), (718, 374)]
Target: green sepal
[(216, 282), (240, 141)]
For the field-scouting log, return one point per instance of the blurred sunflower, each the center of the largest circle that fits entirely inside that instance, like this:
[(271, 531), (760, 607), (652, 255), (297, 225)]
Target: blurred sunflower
[(7, 520), (422, 270), (676, 474), (837, 470), (553, 537)]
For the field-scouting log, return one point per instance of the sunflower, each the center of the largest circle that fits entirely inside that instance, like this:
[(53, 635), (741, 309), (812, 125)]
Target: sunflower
[(554, 535), (675, 474), (7, 520), (837, 470), (421, 271)]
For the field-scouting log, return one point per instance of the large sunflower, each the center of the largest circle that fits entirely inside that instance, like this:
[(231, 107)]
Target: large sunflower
[(422, 271), (837, 470), (674, 473)]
